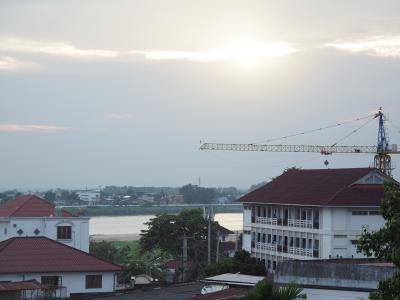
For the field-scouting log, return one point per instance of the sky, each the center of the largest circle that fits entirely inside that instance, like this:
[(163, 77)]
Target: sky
[(102, 92)]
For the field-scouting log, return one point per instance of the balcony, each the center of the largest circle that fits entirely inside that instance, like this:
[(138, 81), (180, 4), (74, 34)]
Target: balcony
[(300, 223), (286, 222), (266, 246), (301, 251)]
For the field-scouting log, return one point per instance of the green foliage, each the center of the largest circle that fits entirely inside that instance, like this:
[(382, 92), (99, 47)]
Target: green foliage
[(50, 196), (195, 194), (385, 243), (264, 290), (165, 232), (128, 255), (242, 262)]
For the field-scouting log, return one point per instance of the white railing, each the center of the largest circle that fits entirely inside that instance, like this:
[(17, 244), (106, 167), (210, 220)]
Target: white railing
[(265, 220), (266, 246), (300, 223), (300, 251)]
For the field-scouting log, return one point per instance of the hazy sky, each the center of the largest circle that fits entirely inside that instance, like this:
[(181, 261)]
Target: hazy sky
[(121, 92)]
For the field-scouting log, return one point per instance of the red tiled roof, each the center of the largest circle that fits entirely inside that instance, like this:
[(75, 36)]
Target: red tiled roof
[(326, 187), (19, 286), (227, 294), (30, 206), (40, 254), (223, 230)]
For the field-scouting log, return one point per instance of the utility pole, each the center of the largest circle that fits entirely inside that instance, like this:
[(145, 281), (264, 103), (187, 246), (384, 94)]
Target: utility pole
[(217, 258), (184, 255), (237, 241), (209, 216)]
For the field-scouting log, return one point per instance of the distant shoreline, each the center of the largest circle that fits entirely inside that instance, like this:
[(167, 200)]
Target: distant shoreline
[(98, 211)]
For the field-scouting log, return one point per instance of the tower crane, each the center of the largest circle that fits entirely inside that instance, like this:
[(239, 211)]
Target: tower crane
[(382, 151)]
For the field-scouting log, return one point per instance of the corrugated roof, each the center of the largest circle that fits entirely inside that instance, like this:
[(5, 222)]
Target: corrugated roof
[(40, 254), (321, 187), (30, 206), (235, 279)]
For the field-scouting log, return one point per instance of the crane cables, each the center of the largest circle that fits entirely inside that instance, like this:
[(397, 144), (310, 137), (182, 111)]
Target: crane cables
[(352, 132), (316, 129)]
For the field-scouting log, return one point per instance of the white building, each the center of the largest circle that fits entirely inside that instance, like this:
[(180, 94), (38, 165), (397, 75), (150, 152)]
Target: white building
[(53, 264), (89, 196), (30, 215), (311, 214)]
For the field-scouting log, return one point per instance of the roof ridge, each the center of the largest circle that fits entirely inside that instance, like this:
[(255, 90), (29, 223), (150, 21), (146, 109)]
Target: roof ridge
[(22, 205), (6, 243)]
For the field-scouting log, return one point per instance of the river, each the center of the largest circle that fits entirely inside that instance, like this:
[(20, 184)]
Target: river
[(129, 227)]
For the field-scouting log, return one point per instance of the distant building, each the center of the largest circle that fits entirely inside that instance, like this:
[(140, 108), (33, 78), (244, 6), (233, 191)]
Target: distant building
[(89, 196), (311, 214), (53, 264), (30, 215), (178, 199), (334, 279)]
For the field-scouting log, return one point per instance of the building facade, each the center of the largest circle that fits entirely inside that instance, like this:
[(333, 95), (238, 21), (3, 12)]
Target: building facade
[(29, 215), (91, 197), (56, 265), (311, 214)]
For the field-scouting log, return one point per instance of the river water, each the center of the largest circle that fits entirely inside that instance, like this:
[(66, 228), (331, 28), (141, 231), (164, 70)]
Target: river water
[(129, 227)]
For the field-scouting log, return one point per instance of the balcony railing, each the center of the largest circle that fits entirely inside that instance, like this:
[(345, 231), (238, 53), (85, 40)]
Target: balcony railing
[(300, 223), (301, 251), (265, 220), (266, 246), (285, 222)]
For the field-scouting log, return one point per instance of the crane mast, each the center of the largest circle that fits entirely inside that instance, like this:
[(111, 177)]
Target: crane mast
[(382, 151)]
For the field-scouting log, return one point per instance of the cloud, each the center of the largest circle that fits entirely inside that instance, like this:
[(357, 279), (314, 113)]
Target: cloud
[(12, 127), (240, 53), (247, 51), (8, 63), (52, 48), (377, 46), (118, 116)]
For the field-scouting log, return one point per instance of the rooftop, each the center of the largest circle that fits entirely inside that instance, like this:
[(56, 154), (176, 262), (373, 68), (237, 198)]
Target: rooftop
[(231, 293), (320, 187), (235, 279), (40, 254), (30, 206)]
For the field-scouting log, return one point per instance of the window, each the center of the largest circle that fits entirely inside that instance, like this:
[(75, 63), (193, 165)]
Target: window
[(64, 232), (94, 281), (274, 265), (263, 238), (51, 280), (298, 242), (374, 213), (359, 212), (354, 242), (269, 238), (258, 237), (340, 236)]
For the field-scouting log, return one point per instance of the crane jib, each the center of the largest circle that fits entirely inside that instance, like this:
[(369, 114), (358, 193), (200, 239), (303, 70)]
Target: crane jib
[(325, 150)]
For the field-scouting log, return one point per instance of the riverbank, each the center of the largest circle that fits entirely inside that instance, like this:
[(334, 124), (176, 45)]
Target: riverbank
[(92, 211)]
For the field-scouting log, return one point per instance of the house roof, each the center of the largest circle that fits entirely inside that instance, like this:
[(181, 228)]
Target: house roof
[(223, 230), (40, 254), (235, 279), (30, 206), (320, 187)]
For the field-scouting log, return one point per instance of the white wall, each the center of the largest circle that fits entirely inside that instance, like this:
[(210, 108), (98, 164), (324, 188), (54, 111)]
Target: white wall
[(48, 228), (74, 282), (317, 294), (246, 244)]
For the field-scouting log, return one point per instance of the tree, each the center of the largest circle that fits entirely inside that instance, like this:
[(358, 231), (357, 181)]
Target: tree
[(264, 290), (50, 196), (195, 194), (166, 232), (385, 243)]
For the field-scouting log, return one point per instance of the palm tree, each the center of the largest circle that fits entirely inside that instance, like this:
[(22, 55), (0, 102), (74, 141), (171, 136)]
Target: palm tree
[(264, 290)]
